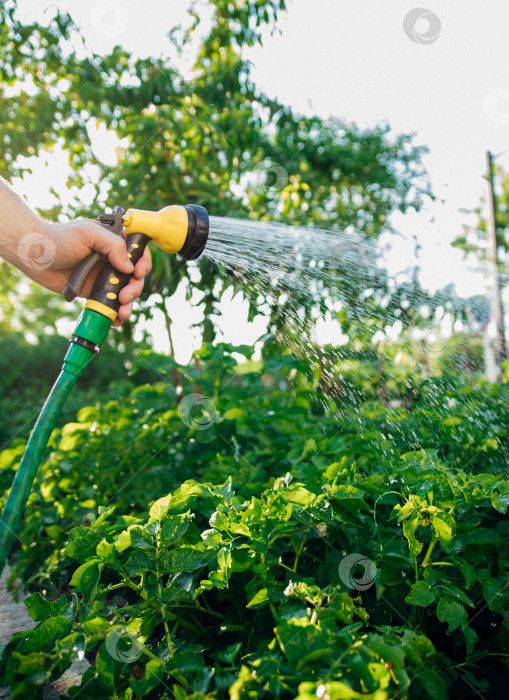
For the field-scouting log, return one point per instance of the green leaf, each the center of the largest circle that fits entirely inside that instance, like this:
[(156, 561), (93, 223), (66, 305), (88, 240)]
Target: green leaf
[(224, 558), (298, 638), (300, 496), (185, 559), (86, 577), (434, 686), (483, 536), (139, 562), (35, 662), (405, 510), (123, 541), (107, 669), (82, 543), (229, 654), (69, 442), (234, 414), (500, 498), (452, 613), (471, 638), (40, 608), (95, 624), (265, 596), (186, 661), (468, 572), (455, 592), (174, 527), (47, 632), (177, 499), (420, 594), (334, 689), (445, 527), (106, 551), (22, 691), (140, 538), (409, 528)]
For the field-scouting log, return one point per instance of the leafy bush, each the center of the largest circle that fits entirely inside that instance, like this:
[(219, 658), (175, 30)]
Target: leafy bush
[(258, 596), (304, 555), (27, 373)]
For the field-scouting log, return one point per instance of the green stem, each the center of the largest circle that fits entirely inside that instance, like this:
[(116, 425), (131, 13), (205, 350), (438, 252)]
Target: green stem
[(208, 611), (162, 608), (495, 653), (150, 654), (298, 553), (117, 585), (127, 582), (442, 563), (280, 563), (432, 544)]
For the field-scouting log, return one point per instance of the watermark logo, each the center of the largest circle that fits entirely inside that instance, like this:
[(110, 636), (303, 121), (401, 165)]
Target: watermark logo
[(496, 106), (197, 411), (348, 571), (109, 18), (36, 250), (350, 252), (422, 26), (269, 177), (435, 347), (124, 645)]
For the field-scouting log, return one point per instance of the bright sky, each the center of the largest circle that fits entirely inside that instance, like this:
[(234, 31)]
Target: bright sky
[(354, 60)]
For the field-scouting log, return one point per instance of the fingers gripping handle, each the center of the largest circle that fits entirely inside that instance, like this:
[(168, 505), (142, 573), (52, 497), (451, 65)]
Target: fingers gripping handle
[(110, 281), (112, 222)]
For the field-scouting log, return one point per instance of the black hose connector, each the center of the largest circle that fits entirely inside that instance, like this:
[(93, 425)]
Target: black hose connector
[(197, 232)]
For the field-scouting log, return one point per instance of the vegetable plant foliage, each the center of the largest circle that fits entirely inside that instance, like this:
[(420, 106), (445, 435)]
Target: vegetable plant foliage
[(291, 555)]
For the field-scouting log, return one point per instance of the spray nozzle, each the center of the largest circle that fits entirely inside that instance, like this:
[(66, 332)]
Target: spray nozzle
[(175, 229)]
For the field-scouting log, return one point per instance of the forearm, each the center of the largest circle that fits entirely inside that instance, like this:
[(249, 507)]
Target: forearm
[(16, 221)]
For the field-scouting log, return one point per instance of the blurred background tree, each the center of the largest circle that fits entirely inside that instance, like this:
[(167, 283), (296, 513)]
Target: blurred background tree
[(206, 139), (475, 244)]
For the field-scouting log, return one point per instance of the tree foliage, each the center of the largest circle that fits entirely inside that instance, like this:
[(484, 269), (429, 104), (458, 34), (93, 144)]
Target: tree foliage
[(196, 139)]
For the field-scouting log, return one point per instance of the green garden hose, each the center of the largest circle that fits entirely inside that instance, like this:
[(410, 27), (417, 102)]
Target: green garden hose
[(29, 464), (176, 229), (89, 334)]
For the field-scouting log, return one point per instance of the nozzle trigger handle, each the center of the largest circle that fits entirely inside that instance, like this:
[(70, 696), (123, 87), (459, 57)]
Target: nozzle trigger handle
[(79, 275), (113, 222), (110, 281)]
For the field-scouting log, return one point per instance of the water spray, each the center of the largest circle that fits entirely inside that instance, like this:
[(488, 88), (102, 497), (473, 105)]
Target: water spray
[(175, 229)]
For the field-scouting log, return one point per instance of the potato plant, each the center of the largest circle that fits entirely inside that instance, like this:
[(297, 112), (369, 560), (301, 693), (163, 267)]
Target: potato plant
[(273, 549)]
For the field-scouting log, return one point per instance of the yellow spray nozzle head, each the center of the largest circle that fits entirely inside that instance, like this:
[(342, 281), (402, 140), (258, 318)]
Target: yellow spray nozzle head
[(175, 229)]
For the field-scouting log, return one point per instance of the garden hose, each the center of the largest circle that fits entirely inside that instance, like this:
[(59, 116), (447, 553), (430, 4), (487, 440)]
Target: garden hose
[(175, 229)]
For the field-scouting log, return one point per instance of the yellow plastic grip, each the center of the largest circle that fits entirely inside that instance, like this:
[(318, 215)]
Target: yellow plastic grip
[(167, 228)]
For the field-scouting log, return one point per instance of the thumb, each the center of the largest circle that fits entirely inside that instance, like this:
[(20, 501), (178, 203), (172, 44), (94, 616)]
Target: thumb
[(103, 241)]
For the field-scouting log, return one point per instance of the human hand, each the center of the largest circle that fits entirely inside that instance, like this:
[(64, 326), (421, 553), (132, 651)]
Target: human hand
[(56, 249)]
